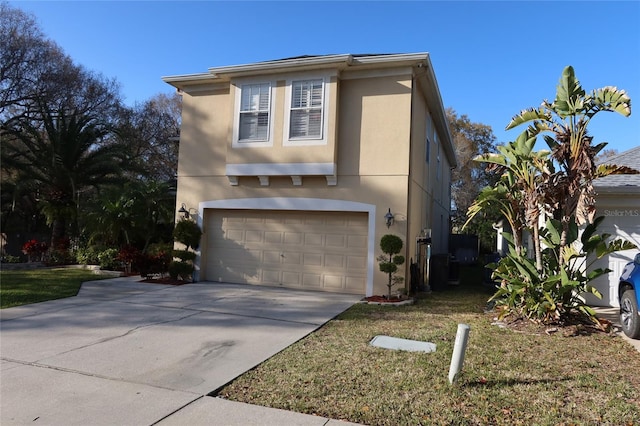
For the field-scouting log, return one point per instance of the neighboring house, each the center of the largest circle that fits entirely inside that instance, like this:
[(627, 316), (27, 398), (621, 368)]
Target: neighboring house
[(618, 200), (290, 167)]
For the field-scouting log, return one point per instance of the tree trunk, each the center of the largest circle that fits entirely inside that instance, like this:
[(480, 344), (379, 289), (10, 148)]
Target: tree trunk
[(58, 231), (536, 246)]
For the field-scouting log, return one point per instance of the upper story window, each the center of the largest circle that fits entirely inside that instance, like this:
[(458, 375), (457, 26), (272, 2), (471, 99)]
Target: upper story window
[(305, 120), (254, 112), (306, 110)]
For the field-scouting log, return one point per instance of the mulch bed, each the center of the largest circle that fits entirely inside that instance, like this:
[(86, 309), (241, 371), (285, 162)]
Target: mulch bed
[(383, 299), (165, 281), (574, 327)]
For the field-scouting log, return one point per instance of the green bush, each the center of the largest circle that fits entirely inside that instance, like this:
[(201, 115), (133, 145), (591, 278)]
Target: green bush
[(107, 259), (391, 245), (182, 270), (159, 248), (185, 255), (549, 296), (87, 255), (188, 233)]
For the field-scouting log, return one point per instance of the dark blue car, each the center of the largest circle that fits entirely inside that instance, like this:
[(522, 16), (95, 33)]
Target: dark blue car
[(629, 293)]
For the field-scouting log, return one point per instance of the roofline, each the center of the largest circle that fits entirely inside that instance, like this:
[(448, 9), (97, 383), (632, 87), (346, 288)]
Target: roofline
[(440, 112), (283, 63), (607, 189), (337, 61), (186, 78)]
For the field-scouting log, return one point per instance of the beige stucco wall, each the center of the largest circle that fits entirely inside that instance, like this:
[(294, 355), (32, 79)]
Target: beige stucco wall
[(278, 152), (374, 121)]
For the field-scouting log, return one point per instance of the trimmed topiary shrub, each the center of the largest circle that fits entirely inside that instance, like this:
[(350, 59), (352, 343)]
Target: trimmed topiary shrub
[(391, 245)]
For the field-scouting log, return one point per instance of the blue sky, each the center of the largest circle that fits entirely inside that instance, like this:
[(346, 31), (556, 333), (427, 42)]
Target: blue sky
[(491, 59)]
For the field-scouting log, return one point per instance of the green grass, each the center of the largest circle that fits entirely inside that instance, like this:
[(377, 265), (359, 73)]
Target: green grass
[(508, 377), (38, 285)]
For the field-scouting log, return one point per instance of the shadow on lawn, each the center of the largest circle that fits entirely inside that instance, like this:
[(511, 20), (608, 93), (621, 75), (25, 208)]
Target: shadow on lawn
[(500, 383)]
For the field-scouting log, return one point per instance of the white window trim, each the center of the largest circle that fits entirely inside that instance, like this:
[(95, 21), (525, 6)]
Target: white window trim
[(236, 142), (286, 140)]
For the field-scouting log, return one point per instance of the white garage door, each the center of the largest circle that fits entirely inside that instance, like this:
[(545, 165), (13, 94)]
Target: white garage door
[(621, 223), (299, 249)]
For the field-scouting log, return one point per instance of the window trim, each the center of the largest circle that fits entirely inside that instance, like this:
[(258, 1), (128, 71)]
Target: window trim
[(238, 87), (324, 127)]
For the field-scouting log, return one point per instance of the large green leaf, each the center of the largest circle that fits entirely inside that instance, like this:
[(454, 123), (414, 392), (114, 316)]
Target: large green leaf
[(568, 95), (611, 99), (491, 158), (554, 228), (591, 229), (526, 116)]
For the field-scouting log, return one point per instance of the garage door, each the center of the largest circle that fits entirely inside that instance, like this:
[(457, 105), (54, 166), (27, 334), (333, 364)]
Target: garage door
[(620, 223), (299, 249)]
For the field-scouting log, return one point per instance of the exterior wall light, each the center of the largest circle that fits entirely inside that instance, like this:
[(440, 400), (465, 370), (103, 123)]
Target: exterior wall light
[(389, 218), (183, 211)]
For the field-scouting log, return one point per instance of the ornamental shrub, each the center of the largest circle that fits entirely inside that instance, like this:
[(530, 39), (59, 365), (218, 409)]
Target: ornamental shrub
[(391, 245), (188, 233), (34, 250)]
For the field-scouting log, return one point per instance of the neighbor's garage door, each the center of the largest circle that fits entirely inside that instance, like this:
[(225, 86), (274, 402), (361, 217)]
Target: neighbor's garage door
[(623, 223), (308, 250)]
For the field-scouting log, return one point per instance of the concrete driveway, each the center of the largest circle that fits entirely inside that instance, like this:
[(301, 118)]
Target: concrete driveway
[(128, 353)]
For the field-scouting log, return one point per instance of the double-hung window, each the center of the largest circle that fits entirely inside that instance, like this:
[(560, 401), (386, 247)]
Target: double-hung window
[(306, 111), (255, 103)]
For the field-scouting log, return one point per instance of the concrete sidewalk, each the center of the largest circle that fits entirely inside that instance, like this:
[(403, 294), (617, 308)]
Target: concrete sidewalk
[(613, 315), (129, 353)]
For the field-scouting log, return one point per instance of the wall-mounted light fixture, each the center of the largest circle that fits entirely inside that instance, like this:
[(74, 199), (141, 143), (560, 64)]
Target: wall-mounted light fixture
[(183, 211), (389, 218)]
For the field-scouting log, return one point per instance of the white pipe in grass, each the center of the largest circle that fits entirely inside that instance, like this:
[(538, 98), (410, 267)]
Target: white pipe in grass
[(459, 348)]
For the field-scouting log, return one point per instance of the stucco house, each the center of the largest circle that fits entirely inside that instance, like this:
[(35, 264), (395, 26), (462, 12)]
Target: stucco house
[(618, 200), (295, 168)]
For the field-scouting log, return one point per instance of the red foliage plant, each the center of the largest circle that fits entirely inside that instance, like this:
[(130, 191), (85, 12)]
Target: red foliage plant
[(34, 247)]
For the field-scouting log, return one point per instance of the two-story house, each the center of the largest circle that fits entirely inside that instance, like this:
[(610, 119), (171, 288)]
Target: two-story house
[(295, 168)]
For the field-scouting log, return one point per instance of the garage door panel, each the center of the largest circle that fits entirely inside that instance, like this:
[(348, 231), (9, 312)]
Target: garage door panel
[(271, 257), (313, 239), (320, 250), (333, 281), (291, 278), (293, 237), (353, 284), (269, 277), (273, 237), (356, 241), (291, 258), (334, 261), (312, 259), (312, 280), (336, 241), (356, 262)]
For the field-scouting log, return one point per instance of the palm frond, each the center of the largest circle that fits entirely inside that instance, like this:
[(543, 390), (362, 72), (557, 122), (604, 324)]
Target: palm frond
[(526, 116)]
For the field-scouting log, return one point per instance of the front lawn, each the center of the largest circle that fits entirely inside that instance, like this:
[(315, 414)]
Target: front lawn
[(38, 285), (509, 377)]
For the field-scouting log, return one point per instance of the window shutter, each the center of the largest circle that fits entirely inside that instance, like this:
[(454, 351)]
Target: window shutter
[(254, 112), (306, 109)]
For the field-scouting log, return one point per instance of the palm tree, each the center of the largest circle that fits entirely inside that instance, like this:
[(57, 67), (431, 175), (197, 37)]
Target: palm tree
[(517, 193), (571, 146), (64, 153), (133, 213)]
